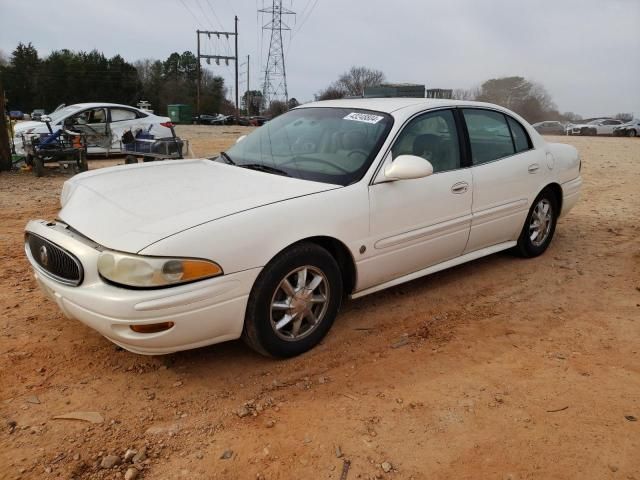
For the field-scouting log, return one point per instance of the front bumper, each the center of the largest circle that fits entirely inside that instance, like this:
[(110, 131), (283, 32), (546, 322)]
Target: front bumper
[(205, 312)]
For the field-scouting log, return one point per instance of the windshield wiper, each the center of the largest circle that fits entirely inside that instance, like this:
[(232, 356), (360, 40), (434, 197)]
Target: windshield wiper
[(264, 168), (227, 158)]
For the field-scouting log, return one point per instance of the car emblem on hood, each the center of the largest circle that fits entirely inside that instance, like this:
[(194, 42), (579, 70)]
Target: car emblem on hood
[(44, 256)]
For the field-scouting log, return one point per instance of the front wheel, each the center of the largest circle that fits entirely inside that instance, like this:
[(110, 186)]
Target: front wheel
[(294, 302), (632, 132), (540, 225)]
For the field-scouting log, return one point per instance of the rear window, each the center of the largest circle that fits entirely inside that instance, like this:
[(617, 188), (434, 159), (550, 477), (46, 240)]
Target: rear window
[(520, 137), (122, 114), (489, 135)]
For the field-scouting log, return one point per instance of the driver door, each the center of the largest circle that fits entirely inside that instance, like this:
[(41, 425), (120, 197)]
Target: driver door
[(422, 222), (93, 124)]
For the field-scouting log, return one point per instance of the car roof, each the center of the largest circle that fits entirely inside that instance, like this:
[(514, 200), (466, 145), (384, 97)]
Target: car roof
[(390, 105), (99, 104)]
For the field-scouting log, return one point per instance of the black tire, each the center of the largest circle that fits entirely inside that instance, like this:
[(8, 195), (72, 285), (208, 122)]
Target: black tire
[(129, 159), (38, 167), (527, 247), (259, 325), (632, 132), (83, 165)]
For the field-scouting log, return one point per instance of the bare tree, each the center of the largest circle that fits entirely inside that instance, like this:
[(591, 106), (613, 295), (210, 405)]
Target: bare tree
[(330, 93), (357, 79), (464, 94), (276, 108), (529, 99), (625, 117)]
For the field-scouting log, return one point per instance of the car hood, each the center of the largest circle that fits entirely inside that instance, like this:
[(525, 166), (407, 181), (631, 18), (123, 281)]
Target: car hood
[(127, 208), (24, 126)]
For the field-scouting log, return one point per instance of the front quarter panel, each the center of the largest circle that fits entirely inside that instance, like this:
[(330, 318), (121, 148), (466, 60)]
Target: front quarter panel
[(252, 238)]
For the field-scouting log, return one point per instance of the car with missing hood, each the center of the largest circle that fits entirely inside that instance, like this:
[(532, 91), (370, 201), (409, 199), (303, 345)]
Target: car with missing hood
[(102, 123), (629, 129), (331, 200), (602, 126), (549, 127)]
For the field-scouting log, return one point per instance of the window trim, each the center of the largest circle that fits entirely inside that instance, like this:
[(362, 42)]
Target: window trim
[(506, 119), (107, 116), (459, 133)]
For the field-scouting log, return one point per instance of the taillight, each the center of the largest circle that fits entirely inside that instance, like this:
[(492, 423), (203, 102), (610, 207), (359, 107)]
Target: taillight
[(167, 124)]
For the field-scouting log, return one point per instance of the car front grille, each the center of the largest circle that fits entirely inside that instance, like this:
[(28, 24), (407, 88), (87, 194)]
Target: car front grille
[(55, 261)]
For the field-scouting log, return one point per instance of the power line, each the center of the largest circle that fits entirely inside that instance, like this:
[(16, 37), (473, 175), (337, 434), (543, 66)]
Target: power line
[(192, 14)]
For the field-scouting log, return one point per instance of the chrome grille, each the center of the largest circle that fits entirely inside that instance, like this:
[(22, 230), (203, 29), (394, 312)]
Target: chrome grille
[(55, 261)]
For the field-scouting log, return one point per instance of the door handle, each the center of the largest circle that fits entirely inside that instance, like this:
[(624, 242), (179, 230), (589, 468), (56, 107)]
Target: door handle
[(533, 168), (460, 187)]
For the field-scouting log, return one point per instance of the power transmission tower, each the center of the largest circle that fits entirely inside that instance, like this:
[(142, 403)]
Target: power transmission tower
[(217, 58), (275, 74)]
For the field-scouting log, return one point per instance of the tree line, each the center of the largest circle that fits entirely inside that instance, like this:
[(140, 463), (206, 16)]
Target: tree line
[(65, 76)]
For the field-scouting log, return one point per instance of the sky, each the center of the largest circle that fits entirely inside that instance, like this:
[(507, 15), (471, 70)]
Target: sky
[(586, 53)]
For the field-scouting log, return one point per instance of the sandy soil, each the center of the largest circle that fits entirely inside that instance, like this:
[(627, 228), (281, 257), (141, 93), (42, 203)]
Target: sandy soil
[(502, 368)]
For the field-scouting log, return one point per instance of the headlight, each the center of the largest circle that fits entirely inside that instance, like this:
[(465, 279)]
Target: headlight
[(151, 272)]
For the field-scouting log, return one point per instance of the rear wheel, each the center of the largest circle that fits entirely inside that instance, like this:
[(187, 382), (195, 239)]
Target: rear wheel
[(38, 166), (129, 159), (294, 302), (632, 132), (540, 225)]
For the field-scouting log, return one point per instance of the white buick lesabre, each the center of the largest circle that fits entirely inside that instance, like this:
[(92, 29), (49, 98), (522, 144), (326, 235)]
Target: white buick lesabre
[(332, 199)]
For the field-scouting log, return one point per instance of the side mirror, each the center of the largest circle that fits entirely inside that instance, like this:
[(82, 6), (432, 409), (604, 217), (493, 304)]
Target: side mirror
[(241, 138), (407, 167), (45, 118)]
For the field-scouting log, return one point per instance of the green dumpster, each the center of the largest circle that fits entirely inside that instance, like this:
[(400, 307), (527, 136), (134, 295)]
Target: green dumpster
[(180, 113)]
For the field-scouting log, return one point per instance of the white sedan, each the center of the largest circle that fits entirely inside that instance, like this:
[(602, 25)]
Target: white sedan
[(333, 199), (103, 123)]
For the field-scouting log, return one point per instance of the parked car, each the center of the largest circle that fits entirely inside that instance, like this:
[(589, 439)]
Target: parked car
[(16, 115), (550, 127), (629, 129), (37, 113), (103, 123), (603, 126), (331, 199), (205, 119)]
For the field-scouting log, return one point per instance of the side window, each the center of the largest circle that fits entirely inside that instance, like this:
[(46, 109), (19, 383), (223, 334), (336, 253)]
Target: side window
[(93, 116), (489, 135), (121, 114), (432, 136), (520, 137)]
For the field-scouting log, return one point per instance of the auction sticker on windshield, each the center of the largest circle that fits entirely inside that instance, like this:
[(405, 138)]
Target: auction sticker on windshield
[(363, 117)]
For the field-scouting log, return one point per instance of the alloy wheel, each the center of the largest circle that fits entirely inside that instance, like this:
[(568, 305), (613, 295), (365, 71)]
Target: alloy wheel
[(299, 303), (541, 221)]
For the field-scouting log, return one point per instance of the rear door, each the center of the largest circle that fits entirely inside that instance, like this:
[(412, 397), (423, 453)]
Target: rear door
[(507, 175), (121, 120), (421, 222)]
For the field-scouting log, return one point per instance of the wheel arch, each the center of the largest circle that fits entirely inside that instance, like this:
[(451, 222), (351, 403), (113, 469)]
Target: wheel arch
[(556, 189), (340, 252)]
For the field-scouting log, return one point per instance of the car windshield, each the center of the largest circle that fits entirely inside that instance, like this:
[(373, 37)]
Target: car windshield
[(330, 145), (63, 112)]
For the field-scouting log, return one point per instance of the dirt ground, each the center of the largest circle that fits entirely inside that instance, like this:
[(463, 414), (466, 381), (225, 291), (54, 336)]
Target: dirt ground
[(502, 368)]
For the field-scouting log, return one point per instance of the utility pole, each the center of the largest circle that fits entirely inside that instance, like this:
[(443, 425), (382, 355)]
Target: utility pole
[(199, 78), (237, 113), (275, 75), (217, 59)]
